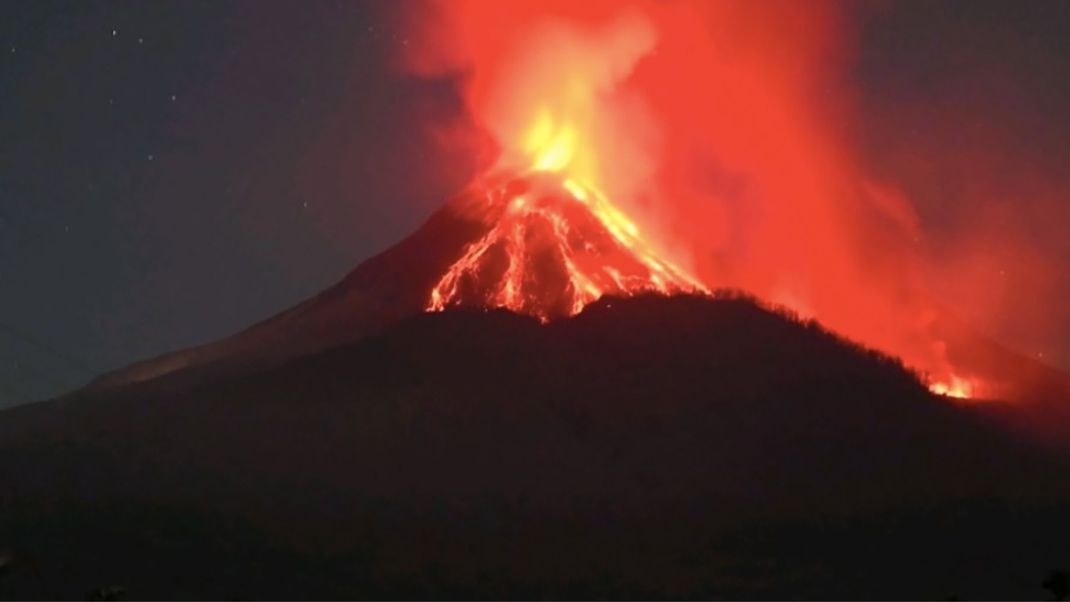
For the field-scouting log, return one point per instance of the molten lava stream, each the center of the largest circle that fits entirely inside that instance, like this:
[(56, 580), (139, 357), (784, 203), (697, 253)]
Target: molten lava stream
[(553, 245)]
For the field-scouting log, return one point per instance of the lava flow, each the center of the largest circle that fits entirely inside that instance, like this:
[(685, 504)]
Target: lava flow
[(553, 246)]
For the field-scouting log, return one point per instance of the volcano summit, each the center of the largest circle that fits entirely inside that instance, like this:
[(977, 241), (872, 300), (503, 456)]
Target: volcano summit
[(552, 246)]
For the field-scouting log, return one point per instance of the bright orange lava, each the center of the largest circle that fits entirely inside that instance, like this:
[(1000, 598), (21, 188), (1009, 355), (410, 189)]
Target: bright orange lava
[(959, 388), (553, 246)]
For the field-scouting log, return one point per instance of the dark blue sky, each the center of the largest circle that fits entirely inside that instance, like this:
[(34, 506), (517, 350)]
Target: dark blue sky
[(172, 171)]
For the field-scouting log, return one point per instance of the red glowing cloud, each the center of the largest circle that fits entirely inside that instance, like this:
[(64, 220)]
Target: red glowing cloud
[(725, 131)]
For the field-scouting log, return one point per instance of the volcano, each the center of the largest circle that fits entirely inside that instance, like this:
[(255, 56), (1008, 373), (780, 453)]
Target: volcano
[(539, 243), (535, 243)]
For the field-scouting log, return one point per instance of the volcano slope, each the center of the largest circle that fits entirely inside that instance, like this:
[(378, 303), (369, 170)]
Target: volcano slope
[(647, 447)]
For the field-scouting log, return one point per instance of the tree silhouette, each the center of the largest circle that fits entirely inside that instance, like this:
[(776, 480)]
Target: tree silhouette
[(1058, 583), (108, 593)]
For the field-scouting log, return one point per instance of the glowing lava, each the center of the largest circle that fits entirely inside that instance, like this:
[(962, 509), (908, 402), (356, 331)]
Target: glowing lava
[(553, 246), (959, 388)]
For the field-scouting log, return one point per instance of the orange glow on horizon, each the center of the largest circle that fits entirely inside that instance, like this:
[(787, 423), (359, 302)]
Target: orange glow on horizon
[(959, 388)]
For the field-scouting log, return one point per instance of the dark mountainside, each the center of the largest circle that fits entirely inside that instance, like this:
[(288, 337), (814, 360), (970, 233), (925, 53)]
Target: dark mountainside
[(649, 447)]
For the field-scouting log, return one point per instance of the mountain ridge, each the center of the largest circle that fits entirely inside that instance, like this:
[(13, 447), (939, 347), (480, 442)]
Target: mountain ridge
[(668, 446)]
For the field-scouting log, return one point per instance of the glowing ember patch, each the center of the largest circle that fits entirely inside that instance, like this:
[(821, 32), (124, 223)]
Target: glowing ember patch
[(552, 147), (957, 387)]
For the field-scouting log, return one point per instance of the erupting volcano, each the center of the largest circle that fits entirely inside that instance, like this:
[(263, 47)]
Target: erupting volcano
[(667, 332), (615, 128), (620, 148), (651, 147)]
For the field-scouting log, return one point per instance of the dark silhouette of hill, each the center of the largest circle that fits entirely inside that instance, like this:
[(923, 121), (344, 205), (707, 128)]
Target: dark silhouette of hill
[(649, 447)]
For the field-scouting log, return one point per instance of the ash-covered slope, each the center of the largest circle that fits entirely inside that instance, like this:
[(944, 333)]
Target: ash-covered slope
[(380, 291), (651, 447)]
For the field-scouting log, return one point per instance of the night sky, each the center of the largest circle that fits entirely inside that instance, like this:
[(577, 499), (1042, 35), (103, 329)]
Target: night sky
[(171, 172)]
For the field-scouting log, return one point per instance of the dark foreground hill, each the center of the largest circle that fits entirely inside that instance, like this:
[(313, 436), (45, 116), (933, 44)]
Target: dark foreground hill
[(650, 447)]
